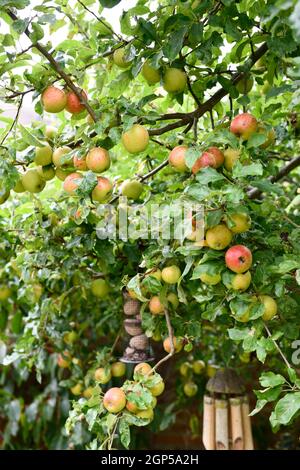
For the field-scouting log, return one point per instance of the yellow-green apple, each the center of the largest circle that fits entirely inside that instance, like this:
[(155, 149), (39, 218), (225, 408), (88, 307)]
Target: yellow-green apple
[(185, 369), (238, 258), (32, 181), (100, 288), (70, 337), (46, 172), (146, 414), (5, 292), (19, 188), (135, 139), (79, 163), (171, 274), (88, 392), (114, 400), (156, 307), (102, 190), (74, 104), (210, 279), (59, 158), (72, 183), (62, 174), (270, 307), (269, 135), (173, 299), (151, 74), (174, 80), (157, 389), (143, 369), (4, 196), (238, 222), (54, 99), (132, 407), (218, 237), (98, 159), (50, 132), (76, 389), (241, 281), (119, 58), (231, 156), (244, 125), (102, 375), (245, 84), (132, 189), (177, 343), (198, 366), (156, 272), (177, 158), (118, 369), (43, 155), (190, 389)]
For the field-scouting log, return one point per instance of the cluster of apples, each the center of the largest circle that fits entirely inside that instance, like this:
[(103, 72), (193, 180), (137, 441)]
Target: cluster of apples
[(55, 100), (187, 371), (244, 126), (173, 79), (117, 399)]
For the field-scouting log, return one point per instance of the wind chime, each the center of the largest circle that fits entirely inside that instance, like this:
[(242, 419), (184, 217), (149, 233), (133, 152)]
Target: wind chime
[(226, 421), (138, 346)]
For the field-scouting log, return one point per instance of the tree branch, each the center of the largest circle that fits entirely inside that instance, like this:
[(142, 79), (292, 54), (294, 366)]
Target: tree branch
[(55, 65), (278, 348), (171, 336), (254, 193), (14, 121), (100, 20)]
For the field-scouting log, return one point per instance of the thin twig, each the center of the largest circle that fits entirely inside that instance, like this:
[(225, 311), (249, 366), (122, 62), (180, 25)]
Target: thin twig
[(171, 336), (278, 348), (100, 20), (14, 121)]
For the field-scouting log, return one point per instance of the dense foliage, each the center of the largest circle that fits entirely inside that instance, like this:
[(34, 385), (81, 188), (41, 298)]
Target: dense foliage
[(56, 328)]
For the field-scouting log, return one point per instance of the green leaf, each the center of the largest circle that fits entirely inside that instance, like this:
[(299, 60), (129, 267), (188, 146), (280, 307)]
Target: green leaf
[(38, 32), (19, 26), (237, 334), (269, 379), (124, 431), (109, 3), (209, 175), (30, 138), (172, 48), (240, 171), (18, 4), (255, 141), (287, 408)]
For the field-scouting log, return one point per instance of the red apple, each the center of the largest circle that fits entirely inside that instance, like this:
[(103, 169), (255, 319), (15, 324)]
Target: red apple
[(72, 182), (102, 190), (238, 258), (243, 125), (79, 163), (206, 159), (73, 105), (219, 156), (177, 158), (98, 160), (114, 400), (54, 100)]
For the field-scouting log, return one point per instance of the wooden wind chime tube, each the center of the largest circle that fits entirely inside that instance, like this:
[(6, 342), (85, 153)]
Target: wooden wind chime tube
[(247, 430), (208, 435), (226, 420), (222, 438)]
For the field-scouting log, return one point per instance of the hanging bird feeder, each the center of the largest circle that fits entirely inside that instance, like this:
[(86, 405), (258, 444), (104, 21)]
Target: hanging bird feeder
[(138, 345), (226, 420)]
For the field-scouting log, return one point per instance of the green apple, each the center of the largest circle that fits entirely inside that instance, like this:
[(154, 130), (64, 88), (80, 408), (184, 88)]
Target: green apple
[(151, 74), (76, 389), (231, 156), (132, 189), (241, 281), (210, 279), (43, 155), (157, 389), (47, 173), (190, 389), (146, 414), (5, 292), (19, 188), (173, 299), (218, 237), (174, 80), (270, 307), (136, 139), (171, 274), (4, 196), (119, 58), (245, 85), (198, 367), (32, 181), (185, 369), (102, 375), (50, 132), (118, 369), (239, 222), (100, 288)]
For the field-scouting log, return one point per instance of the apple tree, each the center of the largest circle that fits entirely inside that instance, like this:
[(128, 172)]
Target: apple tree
[(193, 102)]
